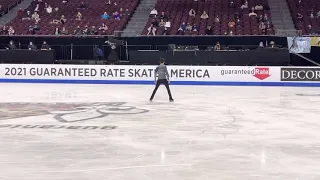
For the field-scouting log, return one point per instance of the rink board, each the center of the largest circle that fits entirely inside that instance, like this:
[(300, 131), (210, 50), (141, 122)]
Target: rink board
[(179, 75)]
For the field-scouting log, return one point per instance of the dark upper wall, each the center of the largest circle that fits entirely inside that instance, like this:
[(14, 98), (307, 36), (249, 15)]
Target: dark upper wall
[(83, 46)]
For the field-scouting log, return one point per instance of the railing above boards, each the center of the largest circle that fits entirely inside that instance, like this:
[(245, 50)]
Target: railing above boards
[(288, 33)]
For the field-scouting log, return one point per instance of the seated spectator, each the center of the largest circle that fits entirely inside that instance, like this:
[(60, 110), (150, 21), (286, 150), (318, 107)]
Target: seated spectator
[(36, 26), (260, 19), (45, 5), (231, 4), (180, 31), (36, 17), (261, 45), (266, 18), (77, 31), (237, 15), (318, 13), (269, 26), (252, 13), (189, 27), (167, 25), (108, 2), (153, 13), (310, 30), (31, 30), (155, 23), (152, 30), (204, 15), (93, 30), (194, 27), (63, 19), (28, 16), (299, 3), (161, 23), (82, 5), (217, 19), (4, 30), (103, 28), (192, 12), (126, 12), (311, 15), (20, 13), (167, 28), (45, 46), (258, 7), (245, 5), (105, 16), (272, 44), (116, 15), (56, 9), (183, 26), (217, 47), (64, 1), (64, 31), (238, 23), (163, 16), (11, 31), (209, 31), (49, 9), (31, 46), (37, 8), (121, 11), (231, 24), (262, 27), (85, 31), (299, 16), (11, 45), (79, 16), (57, 31), (231, 32)]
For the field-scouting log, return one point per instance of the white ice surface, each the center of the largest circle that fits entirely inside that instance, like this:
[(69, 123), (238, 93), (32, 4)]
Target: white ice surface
[(208, 133)]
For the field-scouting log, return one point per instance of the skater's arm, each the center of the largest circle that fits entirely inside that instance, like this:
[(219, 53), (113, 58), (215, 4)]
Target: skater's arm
[(167, 74), (155, 73)]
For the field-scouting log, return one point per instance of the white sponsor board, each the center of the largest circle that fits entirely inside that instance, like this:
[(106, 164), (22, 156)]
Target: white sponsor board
[(192, 75), (114, 72)]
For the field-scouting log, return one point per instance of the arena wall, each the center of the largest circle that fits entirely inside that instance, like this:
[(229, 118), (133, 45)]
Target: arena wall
[(180, 75)]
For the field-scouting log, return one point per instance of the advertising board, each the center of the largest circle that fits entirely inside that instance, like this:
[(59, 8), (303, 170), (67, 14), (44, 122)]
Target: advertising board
[(180, 75)]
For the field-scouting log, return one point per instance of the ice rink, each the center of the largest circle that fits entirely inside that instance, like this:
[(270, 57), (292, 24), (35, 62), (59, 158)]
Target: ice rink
[(112, 132)]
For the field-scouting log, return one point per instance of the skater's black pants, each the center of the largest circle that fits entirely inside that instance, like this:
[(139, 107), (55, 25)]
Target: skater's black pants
[(159, 82)]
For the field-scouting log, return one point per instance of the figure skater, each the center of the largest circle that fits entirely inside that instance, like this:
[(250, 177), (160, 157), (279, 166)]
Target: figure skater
[(163, 78)]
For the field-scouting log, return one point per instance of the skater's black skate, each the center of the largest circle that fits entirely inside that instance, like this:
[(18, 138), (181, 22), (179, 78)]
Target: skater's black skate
[(171, 100)]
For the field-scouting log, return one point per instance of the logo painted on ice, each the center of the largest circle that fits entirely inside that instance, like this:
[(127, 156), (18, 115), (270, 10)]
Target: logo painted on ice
[(262, 73), (94, 111), (68, 112)]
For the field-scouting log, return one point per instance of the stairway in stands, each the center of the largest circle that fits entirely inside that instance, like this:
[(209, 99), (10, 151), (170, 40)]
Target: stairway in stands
[(13, 12), (281, 18), (139, 19)]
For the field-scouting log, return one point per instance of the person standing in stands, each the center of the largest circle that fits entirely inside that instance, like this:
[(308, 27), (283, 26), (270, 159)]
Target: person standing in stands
[(163, 78)]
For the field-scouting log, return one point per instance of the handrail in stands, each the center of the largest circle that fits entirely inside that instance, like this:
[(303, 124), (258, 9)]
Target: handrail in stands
[(313, 62)]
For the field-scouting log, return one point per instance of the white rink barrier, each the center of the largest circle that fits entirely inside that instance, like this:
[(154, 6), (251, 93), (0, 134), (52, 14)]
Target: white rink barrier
[(180, 75)]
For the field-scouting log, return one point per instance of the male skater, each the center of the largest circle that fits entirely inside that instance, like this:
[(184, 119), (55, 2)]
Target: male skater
[(163, 78)]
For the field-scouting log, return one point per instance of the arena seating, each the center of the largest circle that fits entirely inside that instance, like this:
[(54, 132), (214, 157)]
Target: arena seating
[(305, 9), (7, 5), (91, 16), (178, 12)]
